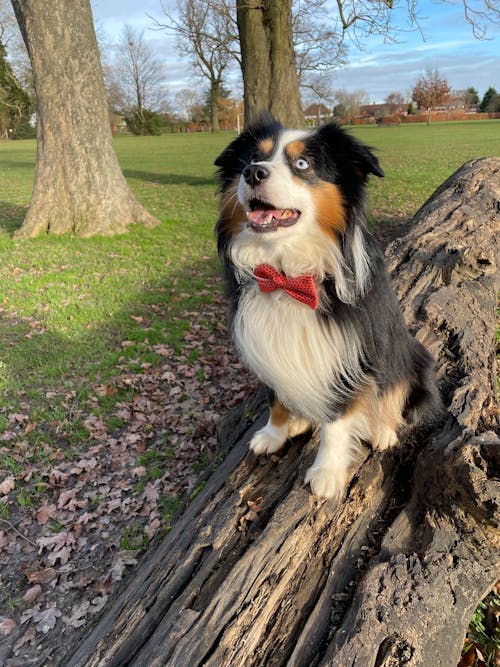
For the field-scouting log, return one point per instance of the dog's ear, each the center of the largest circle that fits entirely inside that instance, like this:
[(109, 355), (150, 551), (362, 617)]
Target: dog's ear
[(367, 161), (343, 146), (230, 153), (232, 160)]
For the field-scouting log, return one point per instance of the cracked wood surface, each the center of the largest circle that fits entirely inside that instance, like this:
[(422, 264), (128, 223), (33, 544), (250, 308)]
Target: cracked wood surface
[(392, 575)]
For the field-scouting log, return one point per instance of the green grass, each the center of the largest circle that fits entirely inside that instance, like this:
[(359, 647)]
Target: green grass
[(418, 158), (67, 304)]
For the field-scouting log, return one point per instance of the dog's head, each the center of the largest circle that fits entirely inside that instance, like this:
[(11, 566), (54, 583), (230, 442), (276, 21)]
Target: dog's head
[(278, 182)]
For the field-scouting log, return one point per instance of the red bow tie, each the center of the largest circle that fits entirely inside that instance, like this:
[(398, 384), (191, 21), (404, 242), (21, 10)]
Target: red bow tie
[(302, 288)]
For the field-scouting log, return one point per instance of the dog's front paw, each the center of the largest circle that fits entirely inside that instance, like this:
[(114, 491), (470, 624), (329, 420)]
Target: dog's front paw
[(268, 441), (326, 482)]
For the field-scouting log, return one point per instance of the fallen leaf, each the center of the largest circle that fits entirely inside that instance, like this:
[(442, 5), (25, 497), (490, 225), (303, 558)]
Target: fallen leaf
[(151, 493), (46, 619), (42, 576), (67, 498), (32, 594), (45, 512), (152, 528), (78, 615), (123, 560), (28, 637), (254, 507), (98, 603), (31, 426), (62, 555), (7, 486), (7, 625)]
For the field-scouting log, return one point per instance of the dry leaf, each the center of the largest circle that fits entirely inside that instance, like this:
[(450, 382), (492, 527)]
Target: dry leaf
[(28, 637), (65, 498), (98, 603), (7, 625), (123, 560), (78, 615), (7, 486), (42, 576), (45, 512), (254, 507), (46, 619), (152, 528), (32, 594)]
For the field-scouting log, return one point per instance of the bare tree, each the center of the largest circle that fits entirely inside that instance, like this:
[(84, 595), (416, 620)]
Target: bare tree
[(430, 90), (283, 43), (11, 38), (348, 104), (479, 15), (317, 39), (79, 186), (393, 101), (138, 76), (15, 104), (187, 100), (318, 89), (205, 33)]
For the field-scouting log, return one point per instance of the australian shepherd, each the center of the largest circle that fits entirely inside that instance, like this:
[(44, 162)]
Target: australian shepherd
[(312, 311)]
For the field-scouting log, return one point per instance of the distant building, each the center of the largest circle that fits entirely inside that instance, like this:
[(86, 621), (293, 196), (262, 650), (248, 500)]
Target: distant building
[(316, 114)]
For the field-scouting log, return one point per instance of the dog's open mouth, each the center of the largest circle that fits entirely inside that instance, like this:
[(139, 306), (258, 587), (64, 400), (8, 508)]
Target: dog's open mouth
[(264, 217)]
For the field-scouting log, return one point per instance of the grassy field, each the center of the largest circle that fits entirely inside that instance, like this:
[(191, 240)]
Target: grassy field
[(66, 302)]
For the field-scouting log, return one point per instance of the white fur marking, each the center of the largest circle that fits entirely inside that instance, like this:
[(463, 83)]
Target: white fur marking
[(339, 442), (307, 362), (361, 262)]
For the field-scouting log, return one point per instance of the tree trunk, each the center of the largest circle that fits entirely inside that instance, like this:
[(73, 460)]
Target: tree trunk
[(79, 186), (270, 80), (214, 105), (257, 572)]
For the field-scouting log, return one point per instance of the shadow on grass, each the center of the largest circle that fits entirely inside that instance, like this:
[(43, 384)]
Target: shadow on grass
[(11, 217), (168, 179), (39, 366)]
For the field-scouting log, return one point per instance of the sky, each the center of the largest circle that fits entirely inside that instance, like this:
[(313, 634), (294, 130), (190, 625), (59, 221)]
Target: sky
[(445, 41)]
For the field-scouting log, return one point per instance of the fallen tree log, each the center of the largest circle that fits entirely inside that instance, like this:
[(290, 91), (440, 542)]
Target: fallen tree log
[(256, 572)]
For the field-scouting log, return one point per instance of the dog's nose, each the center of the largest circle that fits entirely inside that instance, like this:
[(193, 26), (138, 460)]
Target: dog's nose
[(255, 174)]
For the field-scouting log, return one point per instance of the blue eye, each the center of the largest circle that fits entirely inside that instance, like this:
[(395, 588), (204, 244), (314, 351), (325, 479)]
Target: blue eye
[(301, 164)]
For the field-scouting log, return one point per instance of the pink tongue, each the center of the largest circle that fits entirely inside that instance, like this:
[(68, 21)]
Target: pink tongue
[(264, 216)]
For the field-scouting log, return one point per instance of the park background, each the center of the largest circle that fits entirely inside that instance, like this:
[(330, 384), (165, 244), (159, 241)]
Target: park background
[(115, 366)]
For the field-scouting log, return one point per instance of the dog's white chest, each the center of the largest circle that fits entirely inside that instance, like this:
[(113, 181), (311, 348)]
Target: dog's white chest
[(293, 351)]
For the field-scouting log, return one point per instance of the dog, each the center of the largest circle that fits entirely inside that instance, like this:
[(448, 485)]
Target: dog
[(311, 308)]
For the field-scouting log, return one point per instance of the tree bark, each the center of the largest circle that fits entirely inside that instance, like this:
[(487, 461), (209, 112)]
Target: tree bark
[(270, 81), (79, 186), (214, 105), (257, 572)]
